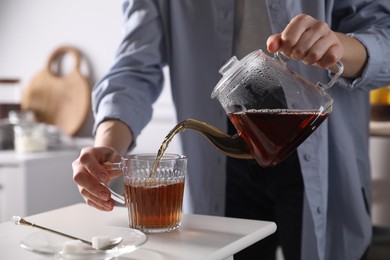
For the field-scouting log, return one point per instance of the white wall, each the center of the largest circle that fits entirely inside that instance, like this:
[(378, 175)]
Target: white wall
[(31, 30)]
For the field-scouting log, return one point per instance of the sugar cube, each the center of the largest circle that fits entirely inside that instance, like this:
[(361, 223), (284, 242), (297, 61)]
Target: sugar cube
[(99, 242), (72, 247)]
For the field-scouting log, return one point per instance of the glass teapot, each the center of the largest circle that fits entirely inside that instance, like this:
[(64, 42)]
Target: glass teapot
[(273, 108)]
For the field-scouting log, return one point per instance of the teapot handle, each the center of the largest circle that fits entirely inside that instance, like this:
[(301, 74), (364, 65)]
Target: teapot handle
[(340, 67), (283, 58)]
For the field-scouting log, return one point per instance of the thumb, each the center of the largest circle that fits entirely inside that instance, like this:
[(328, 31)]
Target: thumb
[(274, 42)]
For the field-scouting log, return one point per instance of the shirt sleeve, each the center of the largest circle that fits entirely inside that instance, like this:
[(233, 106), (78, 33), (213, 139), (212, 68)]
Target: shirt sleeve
[(134, 82), (368, 22)]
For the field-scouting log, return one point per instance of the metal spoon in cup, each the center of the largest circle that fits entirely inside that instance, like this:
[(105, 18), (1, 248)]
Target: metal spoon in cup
[(20, 221)]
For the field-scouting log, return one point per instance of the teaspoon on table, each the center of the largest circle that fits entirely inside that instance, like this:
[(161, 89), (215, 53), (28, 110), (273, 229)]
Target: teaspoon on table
[(20, 221)]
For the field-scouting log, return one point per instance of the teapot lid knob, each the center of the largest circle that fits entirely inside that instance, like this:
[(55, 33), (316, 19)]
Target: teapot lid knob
[(228, 65), (233, 70), (226, 70)]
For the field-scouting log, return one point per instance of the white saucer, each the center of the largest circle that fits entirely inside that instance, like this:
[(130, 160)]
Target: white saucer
[(48, 243)]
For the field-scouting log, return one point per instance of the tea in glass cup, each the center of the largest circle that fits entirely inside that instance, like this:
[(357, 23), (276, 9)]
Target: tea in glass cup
[(153, 190)]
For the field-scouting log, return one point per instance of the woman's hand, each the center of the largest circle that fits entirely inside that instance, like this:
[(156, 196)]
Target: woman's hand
[(313, 42), (89, 175)]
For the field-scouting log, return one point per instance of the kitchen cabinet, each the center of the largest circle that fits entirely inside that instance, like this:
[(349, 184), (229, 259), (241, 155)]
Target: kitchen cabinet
[(32, 183)]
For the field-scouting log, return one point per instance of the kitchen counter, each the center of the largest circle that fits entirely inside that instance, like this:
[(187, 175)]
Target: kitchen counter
[(31, 183), (379, 128), (380, 165), (9, 157)]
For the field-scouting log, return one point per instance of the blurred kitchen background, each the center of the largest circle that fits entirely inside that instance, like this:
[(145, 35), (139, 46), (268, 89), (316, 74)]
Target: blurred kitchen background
[(36, 178), (32, 182)]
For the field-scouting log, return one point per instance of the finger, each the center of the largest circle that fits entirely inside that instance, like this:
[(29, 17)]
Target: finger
[(93, 166), (88, 182), (308, 40), (93, 191), (293, 32), (274, 43), (98, 206), (92, 204), (96, 202), (331, 57), (325, 52)]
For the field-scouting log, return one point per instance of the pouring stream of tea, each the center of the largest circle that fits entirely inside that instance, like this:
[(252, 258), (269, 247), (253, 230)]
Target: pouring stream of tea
[(233, 146)]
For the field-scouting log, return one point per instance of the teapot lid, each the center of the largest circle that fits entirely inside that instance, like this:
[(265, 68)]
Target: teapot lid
[(234, 70)]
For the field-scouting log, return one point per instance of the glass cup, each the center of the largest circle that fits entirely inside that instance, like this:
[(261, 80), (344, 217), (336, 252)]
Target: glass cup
[(153, 193)]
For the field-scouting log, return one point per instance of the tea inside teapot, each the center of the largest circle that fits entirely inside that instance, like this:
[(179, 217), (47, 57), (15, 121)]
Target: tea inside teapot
[(273, 134)]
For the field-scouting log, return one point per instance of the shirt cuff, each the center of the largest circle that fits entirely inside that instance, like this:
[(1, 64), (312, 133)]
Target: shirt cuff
[(372, 66)]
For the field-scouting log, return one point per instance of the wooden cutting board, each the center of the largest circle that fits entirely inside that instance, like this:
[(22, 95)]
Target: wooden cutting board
[(60, 100)]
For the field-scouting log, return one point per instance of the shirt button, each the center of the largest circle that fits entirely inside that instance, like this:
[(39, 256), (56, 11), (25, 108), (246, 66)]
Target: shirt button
[(319, 210), (275, 5), (306, 157), (224, 15)]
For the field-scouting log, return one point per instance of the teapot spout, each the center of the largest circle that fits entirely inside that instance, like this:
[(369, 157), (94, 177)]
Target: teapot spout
[(233, 146)]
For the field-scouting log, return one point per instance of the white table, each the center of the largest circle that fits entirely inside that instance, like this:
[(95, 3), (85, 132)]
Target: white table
[(199, 237)]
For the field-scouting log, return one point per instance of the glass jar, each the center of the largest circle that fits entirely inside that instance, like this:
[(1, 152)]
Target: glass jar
[(30, 137)]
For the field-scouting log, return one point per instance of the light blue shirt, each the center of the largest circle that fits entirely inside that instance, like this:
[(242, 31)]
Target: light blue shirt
[(195, 38)]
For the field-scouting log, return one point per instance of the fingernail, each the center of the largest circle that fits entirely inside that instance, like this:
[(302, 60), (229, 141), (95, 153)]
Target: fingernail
[(102, 177), (108, 205), (103, 195)]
